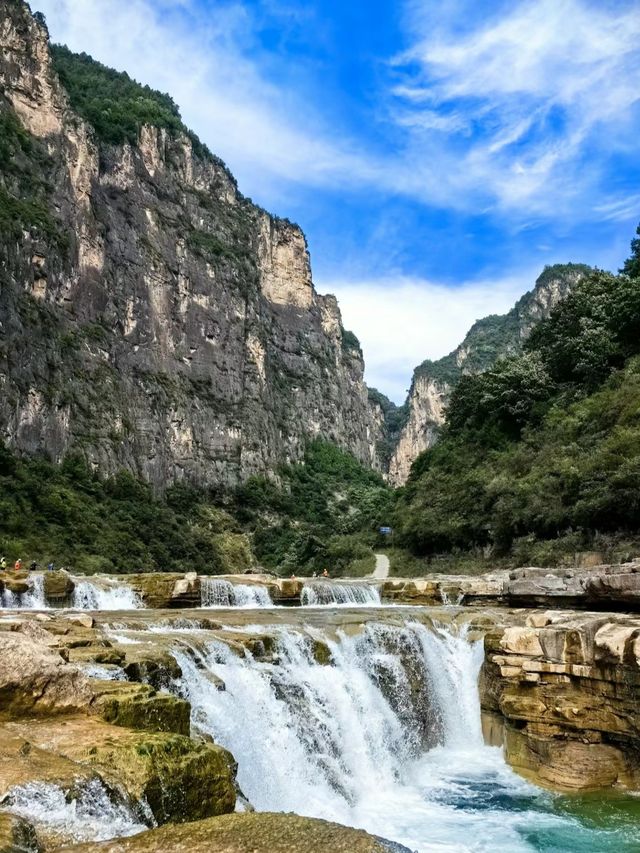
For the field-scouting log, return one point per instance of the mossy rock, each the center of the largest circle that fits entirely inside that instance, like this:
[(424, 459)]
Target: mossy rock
[(321, 653), (17, 836), (96, 654), (139, 706), (17, 585), (155, 667), (58, 586), (179, 778), (155, 588), (258, 832)]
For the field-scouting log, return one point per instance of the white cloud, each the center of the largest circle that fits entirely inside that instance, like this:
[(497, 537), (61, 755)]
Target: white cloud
[(535, 85), (402, 321)]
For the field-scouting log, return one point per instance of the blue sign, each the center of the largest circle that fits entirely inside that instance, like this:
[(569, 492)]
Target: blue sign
[(385, 531)]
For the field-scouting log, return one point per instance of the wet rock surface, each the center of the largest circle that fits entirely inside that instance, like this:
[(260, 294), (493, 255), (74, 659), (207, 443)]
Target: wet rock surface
[(258, 833), (17, 835)]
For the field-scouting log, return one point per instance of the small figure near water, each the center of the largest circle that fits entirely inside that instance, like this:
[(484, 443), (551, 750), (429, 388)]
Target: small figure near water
[(3, 563), (325, 574), (51, 566), (18, 564), (33, 566)]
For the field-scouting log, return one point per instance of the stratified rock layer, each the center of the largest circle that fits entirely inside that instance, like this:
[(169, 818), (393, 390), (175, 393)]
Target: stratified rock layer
[(566, 687)]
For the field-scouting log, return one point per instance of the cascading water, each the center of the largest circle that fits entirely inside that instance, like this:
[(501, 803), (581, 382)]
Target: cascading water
[(327, 593), (32, 600), (92, 596), (217, 592), (386, 737), (91, 814)]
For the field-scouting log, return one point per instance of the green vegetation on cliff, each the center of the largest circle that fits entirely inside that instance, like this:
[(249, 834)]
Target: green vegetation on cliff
[(323, 513), (498, 335), (24, 188), (541, 454), (114, 104), (395, 418)]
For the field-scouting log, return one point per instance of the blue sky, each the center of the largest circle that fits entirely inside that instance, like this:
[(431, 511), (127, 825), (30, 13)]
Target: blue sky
[(437, 153)]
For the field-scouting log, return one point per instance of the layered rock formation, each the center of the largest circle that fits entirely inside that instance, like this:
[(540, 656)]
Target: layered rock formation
[(69, 732), (566, 689), (486, 341), (152, 317)]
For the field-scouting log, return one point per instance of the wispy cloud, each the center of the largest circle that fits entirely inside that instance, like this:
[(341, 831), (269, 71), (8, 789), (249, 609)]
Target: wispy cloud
[(402, 321), (506, 105)]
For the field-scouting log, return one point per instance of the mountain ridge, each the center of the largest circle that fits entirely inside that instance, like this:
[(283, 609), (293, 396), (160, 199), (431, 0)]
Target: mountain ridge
[(491, 337)]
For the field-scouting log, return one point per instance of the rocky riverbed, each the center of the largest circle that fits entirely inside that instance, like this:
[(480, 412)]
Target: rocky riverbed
[(115, 722)]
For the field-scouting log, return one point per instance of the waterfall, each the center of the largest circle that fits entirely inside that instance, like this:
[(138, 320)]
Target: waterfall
[(32, 600), (115, 596), (217, 592), (326, 592), (91, 814), (325, 739)]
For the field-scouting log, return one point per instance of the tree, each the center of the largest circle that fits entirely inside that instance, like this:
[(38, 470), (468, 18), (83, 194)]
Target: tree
[(631, 266)]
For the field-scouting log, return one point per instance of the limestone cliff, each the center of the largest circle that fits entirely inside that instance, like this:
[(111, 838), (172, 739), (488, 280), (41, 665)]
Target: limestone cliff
[(486, 341), (151, 317)]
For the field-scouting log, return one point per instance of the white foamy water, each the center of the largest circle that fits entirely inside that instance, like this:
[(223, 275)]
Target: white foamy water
[(112, 596), (328, 593), (90, 815), (217, 592), (386, 738), (32, 600), (87, 595)]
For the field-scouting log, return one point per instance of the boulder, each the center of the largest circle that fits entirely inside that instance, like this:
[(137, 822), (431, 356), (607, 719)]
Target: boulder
[(35, 679), (84, 620), (17, 585), (151, 665), (186, 591), (140, 706), (179, 778), (155, 588), (58, 586), (258, 832)]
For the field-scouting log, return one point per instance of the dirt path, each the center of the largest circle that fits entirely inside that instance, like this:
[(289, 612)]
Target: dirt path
[(381, 570)]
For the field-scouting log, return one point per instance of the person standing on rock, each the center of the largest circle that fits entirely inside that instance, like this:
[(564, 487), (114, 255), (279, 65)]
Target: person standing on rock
[(50, 567), (3, 563), (33, 566), (18, 564)]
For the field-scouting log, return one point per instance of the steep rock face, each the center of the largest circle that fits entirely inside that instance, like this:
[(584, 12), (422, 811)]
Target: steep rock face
[(486, 341), (151, 317), (565, 689)]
